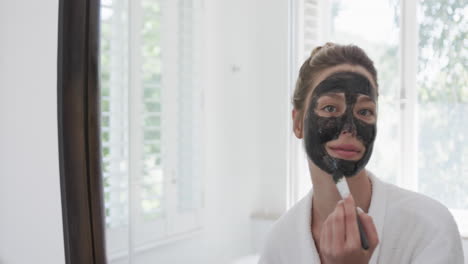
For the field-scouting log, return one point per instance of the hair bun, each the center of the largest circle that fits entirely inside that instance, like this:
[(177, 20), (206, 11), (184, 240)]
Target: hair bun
[(318, 48)]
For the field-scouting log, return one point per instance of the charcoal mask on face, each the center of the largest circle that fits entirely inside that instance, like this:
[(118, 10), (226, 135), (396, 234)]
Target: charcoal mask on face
[(319, 130)]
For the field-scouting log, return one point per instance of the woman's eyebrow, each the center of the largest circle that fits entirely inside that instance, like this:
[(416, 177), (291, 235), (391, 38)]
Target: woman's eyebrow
[(339, 96), (365, 99)]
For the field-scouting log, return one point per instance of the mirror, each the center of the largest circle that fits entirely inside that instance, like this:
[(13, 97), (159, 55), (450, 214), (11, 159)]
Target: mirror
[(190, 157)]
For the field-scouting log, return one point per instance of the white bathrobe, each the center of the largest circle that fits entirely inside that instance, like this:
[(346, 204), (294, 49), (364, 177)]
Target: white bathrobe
[(412, 228)]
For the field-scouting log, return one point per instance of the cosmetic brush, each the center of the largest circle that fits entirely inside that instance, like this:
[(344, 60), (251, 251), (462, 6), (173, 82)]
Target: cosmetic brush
[(343, 189)]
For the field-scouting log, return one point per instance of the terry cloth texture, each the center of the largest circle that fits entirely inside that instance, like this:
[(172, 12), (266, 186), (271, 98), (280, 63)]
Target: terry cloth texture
[(412, 228)]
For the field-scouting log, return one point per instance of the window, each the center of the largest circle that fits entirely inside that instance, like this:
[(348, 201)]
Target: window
[(151, 125), (419, 49), (442, 96)]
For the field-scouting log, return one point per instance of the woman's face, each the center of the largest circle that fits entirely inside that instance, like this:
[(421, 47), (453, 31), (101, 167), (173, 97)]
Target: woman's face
[(339, 123)]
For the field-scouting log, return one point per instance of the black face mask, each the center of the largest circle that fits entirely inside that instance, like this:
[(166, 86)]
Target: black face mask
[(319, 130)]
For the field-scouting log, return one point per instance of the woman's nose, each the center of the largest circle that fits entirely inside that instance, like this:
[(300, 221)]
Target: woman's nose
[(349, 127)]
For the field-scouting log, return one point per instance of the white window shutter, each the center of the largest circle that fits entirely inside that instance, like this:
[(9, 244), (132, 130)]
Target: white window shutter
[(313, 28), (186, 164), (152, 123), (114, 124), (310, 25)]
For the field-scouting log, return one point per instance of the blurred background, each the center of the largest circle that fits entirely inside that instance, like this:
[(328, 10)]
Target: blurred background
[(199, 158)]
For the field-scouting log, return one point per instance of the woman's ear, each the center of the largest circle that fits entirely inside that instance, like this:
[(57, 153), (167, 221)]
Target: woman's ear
[(297, 123)]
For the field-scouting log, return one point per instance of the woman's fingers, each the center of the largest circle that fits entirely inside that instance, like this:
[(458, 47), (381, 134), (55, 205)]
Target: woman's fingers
[(332, 237), (353, 240), (340, 241), (326, 237), (338, 227), (369, 229)]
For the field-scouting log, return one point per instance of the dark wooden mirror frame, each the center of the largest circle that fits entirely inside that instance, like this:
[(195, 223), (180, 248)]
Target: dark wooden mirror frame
[(78, 129)]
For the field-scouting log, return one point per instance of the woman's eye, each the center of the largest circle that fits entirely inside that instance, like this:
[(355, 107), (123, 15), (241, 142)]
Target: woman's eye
[(329, 108), (365, 112)]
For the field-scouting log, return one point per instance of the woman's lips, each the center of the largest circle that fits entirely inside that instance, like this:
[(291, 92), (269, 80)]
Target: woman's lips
[(345, 151)]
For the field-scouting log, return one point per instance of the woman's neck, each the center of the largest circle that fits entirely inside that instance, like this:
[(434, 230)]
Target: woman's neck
[(326, 195)]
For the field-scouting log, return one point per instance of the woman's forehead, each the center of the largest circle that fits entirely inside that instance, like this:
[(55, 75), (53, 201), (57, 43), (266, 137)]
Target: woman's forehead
[(324, 74)]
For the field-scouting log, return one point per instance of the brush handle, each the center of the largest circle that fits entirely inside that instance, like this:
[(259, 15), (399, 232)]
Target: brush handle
[(343, 189), (364, 241)]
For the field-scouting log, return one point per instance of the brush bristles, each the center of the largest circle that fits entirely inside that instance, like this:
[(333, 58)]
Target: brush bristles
[(343, 188)]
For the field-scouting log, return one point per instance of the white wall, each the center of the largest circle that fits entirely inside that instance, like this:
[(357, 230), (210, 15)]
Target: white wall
[(30, 208)]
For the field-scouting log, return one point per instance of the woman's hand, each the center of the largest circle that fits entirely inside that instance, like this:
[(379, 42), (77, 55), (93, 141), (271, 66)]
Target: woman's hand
[(339, 239)]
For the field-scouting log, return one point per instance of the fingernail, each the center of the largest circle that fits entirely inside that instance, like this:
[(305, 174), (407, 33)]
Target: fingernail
[(340, 201), (360, 210)]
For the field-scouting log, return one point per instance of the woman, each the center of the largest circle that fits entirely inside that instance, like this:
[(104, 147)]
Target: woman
[(335, 112)]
